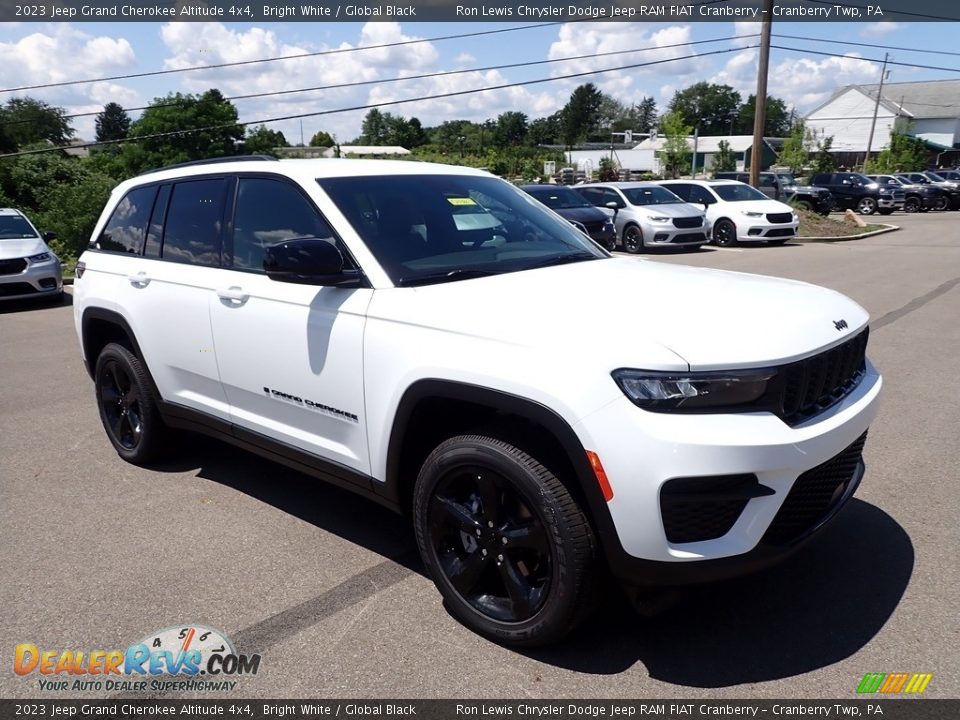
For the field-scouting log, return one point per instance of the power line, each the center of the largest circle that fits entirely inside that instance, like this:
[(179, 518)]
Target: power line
[(444, 73), (337, 51), (868, 45), (866, 59), (386, 103)]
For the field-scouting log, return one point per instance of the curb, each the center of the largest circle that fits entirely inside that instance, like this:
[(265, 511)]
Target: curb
[(884, 229)]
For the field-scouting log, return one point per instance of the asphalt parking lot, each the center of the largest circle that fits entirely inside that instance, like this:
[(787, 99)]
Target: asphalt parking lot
[(97, 553)]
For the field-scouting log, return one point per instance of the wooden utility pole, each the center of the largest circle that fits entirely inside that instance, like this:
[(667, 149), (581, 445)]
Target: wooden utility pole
[(876, 110), (760, 109)]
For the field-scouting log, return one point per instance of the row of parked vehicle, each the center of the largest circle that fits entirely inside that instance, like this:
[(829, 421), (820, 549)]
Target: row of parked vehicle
[(671, 213)]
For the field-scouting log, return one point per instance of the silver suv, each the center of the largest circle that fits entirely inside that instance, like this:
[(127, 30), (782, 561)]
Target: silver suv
[(646, 215), (28, 268)]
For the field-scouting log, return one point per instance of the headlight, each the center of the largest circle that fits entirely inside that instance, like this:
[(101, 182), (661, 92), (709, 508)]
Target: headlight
[(694, 392), (42, 257), (752, 214), (659, 218)]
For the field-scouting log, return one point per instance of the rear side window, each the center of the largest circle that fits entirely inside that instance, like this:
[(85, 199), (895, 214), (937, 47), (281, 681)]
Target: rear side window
[(194, 220), (125, 230), (700, 196), (268, 212)]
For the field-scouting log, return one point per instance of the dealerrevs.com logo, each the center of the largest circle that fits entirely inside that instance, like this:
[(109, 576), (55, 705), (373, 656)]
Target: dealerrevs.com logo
[(184, 658)]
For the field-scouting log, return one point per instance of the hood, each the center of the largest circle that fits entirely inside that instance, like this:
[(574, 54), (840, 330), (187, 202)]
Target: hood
[(622, 312), (22, 247), (672, 210), (760, 206), (583, 214)]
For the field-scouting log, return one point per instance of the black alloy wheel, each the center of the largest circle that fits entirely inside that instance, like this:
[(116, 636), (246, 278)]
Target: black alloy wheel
[(632, 239), (126, 404), (866, 205), (506, 544), (941, 203), (911, 205), (724, 233)]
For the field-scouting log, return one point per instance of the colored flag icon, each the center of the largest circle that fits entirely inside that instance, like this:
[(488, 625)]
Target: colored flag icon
[(893, 683)]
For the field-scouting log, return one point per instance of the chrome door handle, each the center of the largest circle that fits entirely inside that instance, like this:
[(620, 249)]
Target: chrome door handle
[(234, 294), (140, 279)]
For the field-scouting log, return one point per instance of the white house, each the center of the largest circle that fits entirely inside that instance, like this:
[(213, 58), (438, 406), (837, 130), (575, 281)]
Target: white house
[(929, 109)]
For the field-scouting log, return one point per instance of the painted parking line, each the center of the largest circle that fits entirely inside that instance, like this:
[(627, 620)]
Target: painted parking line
[(723, 249)]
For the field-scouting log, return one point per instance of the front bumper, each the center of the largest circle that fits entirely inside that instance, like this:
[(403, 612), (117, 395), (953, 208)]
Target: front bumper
[(668, 235), (664, 447), (35, 280), (890, 201), (760, 230)]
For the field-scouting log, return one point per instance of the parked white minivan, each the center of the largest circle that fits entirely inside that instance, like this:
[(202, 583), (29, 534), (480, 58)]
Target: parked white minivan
[(738, 212)]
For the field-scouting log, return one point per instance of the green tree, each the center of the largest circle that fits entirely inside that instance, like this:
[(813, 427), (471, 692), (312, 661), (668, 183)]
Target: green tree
[(262, 140), (190, 127), (25, 121), (675, 155), (724, 160), (707, 106), (777, 119), (796, 148), (904, 153), (546, 131), (322, 138), (581, 114), (373, 130), (607, 171), (113, 123), (822, 160), (646, 116), (510, 130)]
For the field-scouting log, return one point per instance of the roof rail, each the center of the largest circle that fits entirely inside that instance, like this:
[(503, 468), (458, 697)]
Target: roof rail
[(210, 161)]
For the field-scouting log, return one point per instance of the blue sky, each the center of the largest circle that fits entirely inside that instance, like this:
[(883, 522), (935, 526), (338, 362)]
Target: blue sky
[(34, 53)]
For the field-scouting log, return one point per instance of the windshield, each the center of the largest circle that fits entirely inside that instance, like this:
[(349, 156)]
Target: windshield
[(558, 198), (15, 227), (436, 228), (738, 192), (933, 176), (862, 178), (650, 195)]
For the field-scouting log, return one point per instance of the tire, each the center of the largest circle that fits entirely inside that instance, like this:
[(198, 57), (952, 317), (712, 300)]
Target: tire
[(633, 239), (724, 233), (911, 205), (507, 546), (127, 408), (867, 205), (885, 211), (941, 204), (804, 205)]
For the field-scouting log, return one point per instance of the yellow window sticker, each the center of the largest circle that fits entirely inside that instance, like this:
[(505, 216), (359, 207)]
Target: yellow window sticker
[(460, 201)]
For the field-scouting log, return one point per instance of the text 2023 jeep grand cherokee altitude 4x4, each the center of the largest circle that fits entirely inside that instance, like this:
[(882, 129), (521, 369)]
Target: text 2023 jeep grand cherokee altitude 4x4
[(433, 338)]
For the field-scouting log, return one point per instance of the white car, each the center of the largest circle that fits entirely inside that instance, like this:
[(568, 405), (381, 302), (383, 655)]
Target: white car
[(738, 212), (645, 215), (28, 267), (438, 341)]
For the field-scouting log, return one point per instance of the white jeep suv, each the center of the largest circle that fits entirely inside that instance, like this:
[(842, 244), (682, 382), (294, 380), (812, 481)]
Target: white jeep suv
[(343, 317)]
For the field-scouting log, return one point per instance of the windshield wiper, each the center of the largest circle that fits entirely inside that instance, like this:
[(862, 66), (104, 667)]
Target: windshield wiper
[(563, 259), (444, 276)]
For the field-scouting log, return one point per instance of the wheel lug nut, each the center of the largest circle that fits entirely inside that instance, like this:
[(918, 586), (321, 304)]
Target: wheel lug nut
[(484, 552), (500, 558), (490, 523), (503, 540), (479, 532)]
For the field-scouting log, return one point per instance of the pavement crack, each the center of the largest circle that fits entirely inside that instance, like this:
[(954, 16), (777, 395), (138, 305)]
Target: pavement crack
[(915, 304)]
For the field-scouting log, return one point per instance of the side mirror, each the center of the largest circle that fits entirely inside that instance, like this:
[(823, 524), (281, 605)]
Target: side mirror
[(613, 205), (706, 205), (308, 261), (48, 235)]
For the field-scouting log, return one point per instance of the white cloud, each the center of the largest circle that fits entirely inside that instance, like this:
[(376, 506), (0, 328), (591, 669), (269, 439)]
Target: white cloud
[(743, 29), (628, 86), (805, 83), (879, 29), (465, 59), (63, 53)]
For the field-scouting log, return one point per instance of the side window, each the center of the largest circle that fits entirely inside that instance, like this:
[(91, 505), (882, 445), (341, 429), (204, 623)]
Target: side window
[(700, 196), (592, 195), (155, 230), (192, 231), (680, 190), (767, 179), (125, 229), (271, 211), (612, 196)]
